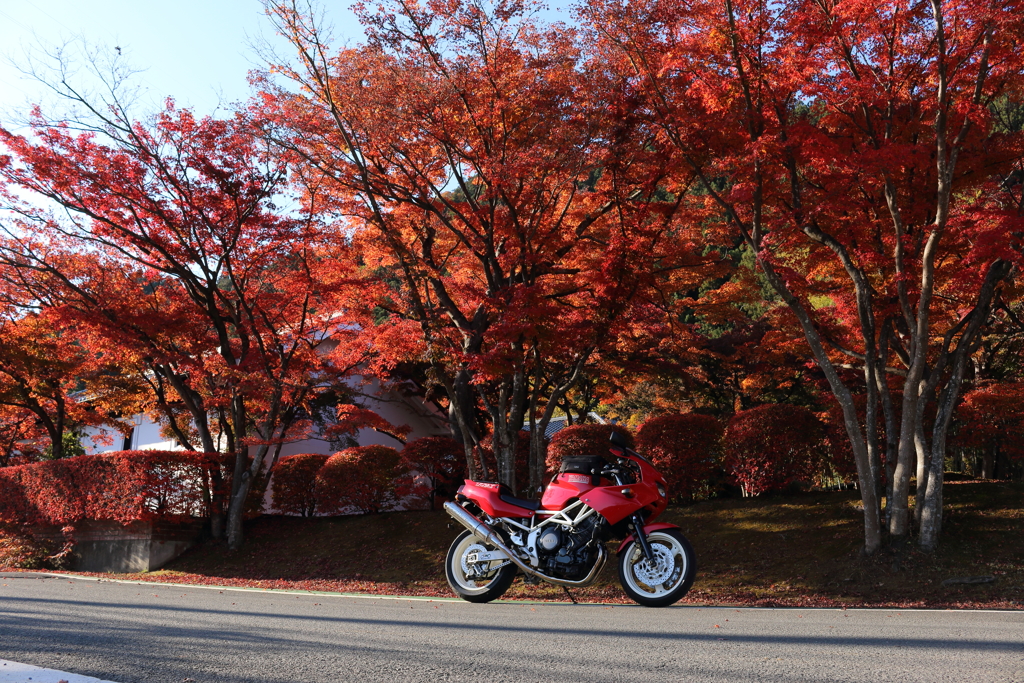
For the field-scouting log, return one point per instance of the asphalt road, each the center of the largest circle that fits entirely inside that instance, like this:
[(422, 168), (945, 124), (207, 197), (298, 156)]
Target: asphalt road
[(176, 634)]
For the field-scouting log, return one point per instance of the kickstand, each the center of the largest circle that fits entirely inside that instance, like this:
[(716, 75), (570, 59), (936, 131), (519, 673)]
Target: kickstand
[(570, 595)]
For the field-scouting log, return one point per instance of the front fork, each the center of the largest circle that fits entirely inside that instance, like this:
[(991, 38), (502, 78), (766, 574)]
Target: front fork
[(641, 537), (638, 527)]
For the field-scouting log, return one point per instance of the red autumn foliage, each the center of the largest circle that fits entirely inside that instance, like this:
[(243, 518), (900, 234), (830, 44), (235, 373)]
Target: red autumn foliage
[(351, 418), (840, 462), (582, 440), (364, 478), (294, 483), (440, 459), (175, 261), (21, 439), (866, 154), (772, 446), (125, 486), (42, 366), (685, 448), (992, 417), (20, 549), (465, 162)]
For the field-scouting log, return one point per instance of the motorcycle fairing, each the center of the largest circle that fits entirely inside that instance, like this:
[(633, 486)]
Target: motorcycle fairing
[(615, 505)]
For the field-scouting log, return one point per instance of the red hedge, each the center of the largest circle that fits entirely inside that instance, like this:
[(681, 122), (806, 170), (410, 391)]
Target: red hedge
[(591, 439), (769, 447), (18, 548), (365, 478), (124, 486), (840, 462), (685, 448), (992, 417), (439, 458), (294, 483)]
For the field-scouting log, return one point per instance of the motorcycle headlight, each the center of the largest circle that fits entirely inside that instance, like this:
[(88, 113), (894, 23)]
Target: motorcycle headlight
[(661, 489)]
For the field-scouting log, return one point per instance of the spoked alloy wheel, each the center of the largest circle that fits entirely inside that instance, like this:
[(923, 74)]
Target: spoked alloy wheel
[(664, 581), (473, 579)]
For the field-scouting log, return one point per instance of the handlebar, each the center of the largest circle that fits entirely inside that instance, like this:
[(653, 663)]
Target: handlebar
[(615, 471)]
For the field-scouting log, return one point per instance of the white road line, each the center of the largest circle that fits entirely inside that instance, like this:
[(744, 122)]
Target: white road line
[(13, 672)]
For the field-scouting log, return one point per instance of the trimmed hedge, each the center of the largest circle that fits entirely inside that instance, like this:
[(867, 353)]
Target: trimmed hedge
[(440, 459), (366, 478), (770, 447), (686, 449), (294, 483), (590, 439), (124, 486)]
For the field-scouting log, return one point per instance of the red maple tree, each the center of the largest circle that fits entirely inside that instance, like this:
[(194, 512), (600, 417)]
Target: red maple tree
[(858, 151), (44, 368), (506, 240), (174, 259)]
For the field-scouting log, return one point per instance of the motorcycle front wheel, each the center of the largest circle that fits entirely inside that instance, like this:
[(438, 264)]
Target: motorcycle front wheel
[(664, 581), (475, 579)]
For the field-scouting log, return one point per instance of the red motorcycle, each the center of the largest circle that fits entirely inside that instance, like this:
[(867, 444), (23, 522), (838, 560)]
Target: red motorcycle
[(561, 538)]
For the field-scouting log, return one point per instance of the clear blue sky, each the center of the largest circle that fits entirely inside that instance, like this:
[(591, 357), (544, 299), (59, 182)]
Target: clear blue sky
[(197, 51)]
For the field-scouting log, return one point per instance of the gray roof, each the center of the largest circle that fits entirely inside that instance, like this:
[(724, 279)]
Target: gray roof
[(557, 424)]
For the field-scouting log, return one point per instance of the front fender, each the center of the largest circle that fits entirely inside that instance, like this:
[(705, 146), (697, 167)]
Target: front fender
[(648, 528)]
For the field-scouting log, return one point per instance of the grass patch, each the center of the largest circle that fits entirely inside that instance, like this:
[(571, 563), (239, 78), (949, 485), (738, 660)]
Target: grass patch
[(797, 550)]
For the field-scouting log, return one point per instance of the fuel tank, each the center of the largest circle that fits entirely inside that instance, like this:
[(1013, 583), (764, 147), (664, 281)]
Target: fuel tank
[(563, 488)]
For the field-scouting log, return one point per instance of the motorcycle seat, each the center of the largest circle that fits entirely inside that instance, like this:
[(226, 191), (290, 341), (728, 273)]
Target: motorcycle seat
[(506, 495)]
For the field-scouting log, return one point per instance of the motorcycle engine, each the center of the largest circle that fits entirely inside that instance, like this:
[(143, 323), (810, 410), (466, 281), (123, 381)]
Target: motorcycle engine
[(567, 553)]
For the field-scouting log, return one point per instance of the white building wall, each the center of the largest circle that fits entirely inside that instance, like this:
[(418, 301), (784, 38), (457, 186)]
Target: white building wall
[(397, 409)]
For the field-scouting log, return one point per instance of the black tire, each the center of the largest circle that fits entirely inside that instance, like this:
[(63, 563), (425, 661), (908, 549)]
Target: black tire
[(676, 568), (490, 579)]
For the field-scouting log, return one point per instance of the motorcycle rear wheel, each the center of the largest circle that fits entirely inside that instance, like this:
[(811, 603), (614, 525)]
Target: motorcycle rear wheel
[(476, 581), (665, 581)]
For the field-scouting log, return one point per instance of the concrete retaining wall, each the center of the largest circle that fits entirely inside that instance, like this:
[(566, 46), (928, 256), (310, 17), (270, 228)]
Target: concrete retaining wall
[(104, 546)]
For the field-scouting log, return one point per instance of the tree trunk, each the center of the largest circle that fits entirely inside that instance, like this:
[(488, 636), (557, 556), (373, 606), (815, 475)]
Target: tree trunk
[(891, 450), (931, 512), (506, 457), (236, 512), (57, 437), (923, 467), (872, 528), (461, 408), (988, 462), (889, 415), (906, 454), (1002, 467)]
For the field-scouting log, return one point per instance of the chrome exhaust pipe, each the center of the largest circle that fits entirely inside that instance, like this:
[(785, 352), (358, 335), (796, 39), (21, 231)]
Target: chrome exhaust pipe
[(488, 535)]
